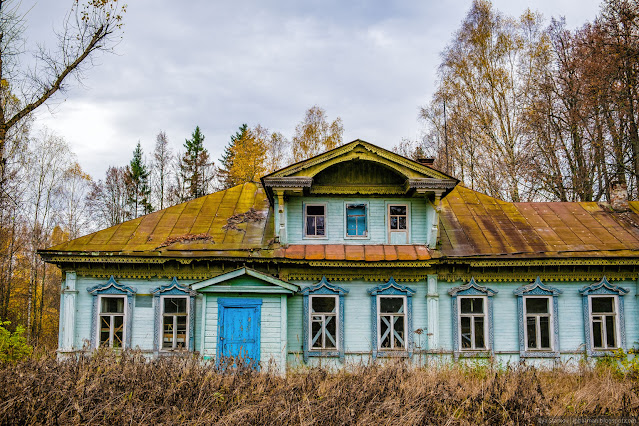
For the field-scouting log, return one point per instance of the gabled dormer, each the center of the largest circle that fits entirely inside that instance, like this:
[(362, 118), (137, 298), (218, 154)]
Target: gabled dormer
[(358, 193)]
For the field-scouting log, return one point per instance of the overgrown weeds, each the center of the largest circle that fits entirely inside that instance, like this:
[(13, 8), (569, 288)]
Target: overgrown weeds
[(108, 388)]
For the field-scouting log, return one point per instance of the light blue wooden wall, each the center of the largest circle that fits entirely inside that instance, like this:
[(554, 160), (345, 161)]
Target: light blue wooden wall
[(419, 215), (358, 319), (570, 315), (282, 336)]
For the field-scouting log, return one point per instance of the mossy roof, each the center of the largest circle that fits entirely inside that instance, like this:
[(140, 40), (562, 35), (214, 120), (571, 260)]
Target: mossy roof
[(238, 223)]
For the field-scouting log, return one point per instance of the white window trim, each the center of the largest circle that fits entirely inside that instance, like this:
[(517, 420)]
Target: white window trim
[(379, 322), (315, 237), (161, 328), (472, 324), (124, 320), (388, 215), (550, 314), (310, 324), (617, 322), (368, 225)]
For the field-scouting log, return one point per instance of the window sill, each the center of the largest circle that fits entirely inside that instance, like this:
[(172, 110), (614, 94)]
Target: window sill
[(487, 353), (539, 354), (314, 237), (389, 353), (602, 352), (323, 354)]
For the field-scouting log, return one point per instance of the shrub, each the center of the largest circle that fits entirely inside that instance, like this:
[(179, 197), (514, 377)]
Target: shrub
[(13, 346)]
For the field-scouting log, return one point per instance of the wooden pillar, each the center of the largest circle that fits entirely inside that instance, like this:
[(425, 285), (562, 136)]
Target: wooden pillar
[(67, 313), (432, 299)]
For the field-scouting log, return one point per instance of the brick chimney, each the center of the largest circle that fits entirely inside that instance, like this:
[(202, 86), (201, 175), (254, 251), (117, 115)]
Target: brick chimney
[(619, 197), (426, 161)]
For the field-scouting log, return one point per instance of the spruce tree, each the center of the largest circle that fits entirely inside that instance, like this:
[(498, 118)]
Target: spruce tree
[(195, 166), (137, 181)]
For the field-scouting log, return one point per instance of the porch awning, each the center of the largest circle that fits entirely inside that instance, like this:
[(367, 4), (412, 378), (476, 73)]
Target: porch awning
[(245, 280)]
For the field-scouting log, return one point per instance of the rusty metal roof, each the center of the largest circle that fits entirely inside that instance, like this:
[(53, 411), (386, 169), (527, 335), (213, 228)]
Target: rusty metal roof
[(477, 225), (232, 223), (238, 222)]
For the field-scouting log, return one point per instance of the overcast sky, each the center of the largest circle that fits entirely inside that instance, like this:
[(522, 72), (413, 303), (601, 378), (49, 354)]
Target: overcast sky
[(218, 64)]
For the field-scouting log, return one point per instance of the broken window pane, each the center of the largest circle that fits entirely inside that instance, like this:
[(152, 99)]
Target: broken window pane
[(112, 305), (597, 332), (544, 325), (323, 304), (466, 334), (610, 331), (479, 332), (472, 305), (531, 331), (603, 304), (536, 305), (391, 304)]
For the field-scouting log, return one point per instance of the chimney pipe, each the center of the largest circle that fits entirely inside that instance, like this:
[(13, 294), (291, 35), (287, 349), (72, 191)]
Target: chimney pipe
[(426, 161), (619, 197)]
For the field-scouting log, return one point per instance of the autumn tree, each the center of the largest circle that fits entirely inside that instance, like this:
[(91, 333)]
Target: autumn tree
[(225, 176), (251, 154), (315, 134), (479, 106), (108, 199), (27, 83), (137, 181), (161, 168)]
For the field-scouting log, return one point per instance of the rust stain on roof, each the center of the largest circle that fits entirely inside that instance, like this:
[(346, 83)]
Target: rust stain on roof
[(239, 222), (476, 225)]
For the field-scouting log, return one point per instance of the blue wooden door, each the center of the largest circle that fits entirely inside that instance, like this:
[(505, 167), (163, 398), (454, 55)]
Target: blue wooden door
[(239, 329)]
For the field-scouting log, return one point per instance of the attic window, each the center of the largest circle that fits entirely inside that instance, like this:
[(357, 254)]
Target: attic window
[(356, 220)]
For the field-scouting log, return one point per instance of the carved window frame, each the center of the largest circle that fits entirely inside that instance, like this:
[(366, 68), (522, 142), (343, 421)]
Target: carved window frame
[(323, 288), (472, 289), (538, 289), (173, 289), (603, 288), (393, 289), (109, 289)]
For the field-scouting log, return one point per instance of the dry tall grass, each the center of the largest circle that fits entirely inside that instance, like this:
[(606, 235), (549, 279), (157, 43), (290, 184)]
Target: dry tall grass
[(129, 389)]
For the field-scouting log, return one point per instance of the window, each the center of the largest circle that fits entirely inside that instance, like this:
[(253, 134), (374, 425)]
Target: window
[(392, 307), (356, 220), (315, 220), (398, 224), (174, 317), (391, 324), (111, 314), (472, 314), (174, 323), (112, 321), (538, 321), (323, 322), (603, 319), (472, 309)]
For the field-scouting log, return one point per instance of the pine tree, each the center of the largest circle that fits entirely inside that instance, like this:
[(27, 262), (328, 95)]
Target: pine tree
[(225, 175), (195, 168), (138, 188)]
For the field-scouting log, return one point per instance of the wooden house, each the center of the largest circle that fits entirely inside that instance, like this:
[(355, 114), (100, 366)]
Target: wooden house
[(356, 254)]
